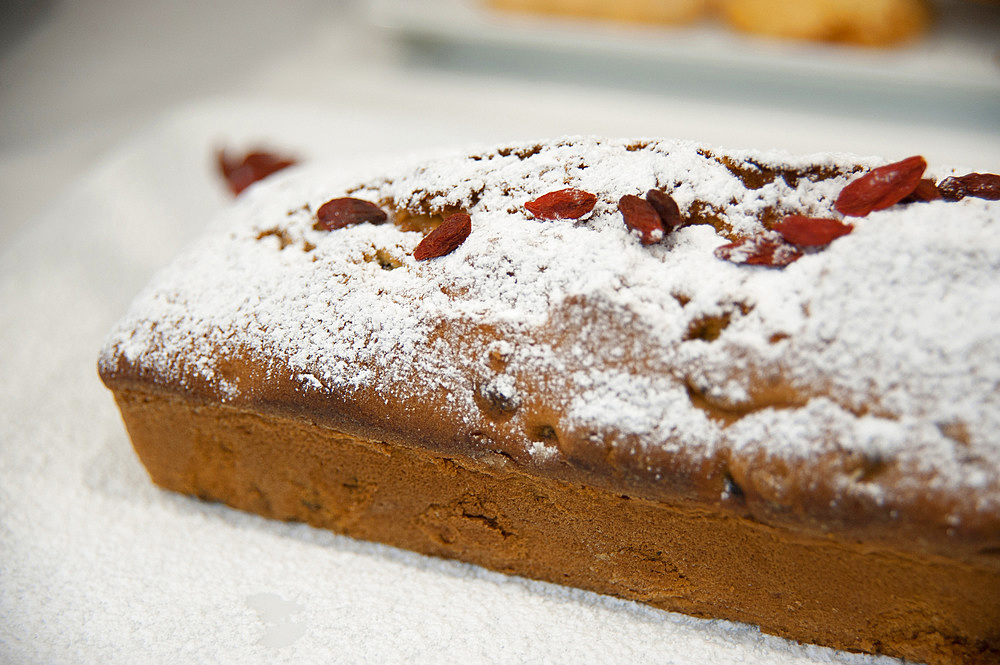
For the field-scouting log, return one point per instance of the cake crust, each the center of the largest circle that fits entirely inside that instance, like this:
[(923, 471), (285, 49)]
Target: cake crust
[(484, 509)]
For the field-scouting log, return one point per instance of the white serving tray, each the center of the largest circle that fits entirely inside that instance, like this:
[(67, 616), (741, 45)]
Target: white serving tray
[(950, 77)]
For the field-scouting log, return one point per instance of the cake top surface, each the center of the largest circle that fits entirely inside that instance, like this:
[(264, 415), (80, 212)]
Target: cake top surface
[(867, 372)]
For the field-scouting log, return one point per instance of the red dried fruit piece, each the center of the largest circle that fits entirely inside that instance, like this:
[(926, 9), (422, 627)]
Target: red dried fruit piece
[(979, 185), (445, 238), (666, 208), (562, 204), (880, 188), (811, 231), (338, 213), (641, 217), (926, 191), (763, 250), (241, 172)]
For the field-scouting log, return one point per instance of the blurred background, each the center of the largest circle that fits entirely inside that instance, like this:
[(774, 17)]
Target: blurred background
[(78, 79)]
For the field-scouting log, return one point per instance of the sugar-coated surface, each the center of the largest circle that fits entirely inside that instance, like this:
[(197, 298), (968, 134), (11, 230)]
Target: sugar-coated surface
[(888, 337), (98, 566)]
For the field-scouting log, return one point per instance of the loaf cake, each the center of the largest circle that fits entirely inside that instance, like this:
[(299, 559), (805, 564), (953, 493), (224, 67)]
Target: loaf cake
[(730, 383)]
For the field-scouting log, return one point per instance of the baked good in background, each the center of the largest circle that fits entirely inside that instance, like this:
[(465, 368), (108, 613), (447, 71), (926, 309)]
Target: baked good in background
[(640, 11), (736, 384), (862, 22), (882, 23)]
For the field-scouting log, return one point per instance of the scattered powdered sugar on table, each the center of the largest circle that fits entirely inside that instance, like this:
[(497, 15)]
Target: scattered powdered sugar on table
[(887, 337)]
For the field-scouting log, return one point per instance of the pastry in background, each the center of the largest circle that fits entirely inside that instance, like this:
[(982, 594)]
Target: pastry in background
[(863, 22), (641, 11), (879, 23)]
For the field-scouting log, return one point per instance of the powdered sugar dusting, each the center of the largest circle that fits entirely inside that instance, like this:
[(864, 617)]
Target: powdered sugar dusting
[(546, 332)]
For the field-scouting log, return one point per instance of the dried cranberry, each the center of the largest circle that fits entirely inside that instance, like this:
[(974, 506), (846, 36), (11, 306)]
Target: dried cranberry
[(566, 203), (926, 191), (880, 188), (241, 172), (811, 231), (446, 238), (978, 185), (338, 213), (666, 208), (640, 216), (770, 250)]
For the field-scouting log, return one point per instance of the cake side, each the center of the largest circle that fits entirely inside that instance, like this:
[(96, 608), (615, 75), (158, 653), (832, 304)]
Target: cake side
[(808, 397), (485, 509)]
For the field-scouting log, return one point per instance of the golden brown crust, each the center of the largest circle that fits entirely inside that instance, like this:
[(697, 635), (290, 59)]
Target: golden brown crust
[(484, 509), (864, 22), (877, 23), (639, 11)]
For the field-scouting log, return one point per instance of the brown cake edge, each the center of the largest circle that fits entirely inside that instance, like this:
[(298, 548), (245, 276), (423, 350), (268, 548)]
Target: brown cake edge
[(488, 511)]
